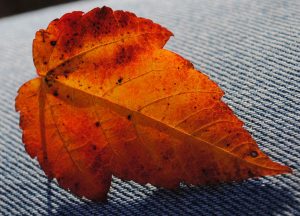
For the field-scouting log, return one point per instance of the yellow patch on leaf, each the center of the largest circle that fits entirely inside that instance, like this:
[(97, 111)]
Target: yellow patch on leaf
[(109, 100)]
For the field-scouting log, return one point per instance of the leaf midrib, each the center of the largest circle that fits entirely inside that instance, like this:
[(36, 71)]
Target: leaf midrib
[(120, 109)]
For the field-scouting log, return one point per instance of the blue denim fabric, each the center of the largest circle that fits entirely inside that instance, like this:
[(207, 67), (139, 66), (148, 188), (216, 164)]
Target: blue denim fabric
[(251, 48)]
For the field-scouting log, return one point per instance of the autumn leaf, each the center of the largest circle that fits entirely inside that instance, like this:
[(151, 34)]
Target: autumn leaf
[(109, 100)]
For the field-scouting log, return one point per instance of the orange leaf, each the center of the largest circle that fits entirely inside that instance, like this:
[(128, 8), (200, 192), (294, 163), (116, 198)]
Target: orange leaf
[(109, 100)]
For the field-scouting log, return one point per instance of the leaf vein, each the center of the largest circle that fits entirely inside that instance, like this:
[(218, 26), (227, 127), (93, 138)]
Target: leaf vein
[(173, 95)]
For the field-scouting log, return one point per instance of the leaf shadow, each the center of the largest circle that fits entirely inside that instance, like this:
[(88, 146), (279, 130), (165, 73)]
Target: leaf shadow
[(245, 198)]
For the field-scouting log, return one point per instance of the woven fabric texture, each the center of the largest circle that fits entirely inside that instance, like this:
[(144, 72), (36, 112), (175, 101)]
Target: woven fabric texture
[(251, 48)]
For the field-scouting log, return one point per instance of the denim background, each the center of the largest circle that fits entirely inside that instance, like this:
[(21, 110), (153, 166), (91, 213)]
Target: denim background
[(251, 48)]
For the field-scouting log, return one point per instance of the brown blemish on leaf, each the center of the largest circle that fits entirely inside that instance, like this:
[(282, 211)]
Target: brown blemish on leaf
[(52, 43), (253, 154), (55, 93), (119, 81)]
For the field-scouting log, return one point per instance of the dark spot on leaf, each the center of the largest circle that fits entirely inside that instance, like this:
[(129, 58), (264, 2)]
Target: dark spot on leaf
[(68, 96), (53, 43), (120, 80), (129, 117), (97, 124), (66, 73), (253, 154), (55, 93), (49, 80)]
